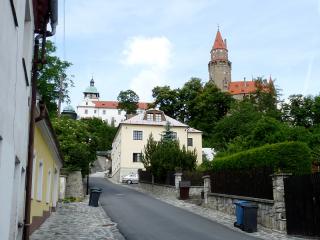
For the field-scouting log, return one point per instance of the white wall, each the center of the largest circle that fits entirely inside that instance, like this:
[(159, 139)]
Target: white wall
[(15, 43), (106, 114)]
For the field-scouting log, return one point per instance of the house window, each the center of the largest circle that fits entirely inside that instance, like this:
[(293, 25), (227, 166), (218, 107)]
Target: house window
[(104, 112), (137, 135), (149, 116), (174, 135), (48, 195), (119, 112), (136, 157), (94, 111), (158, 117), (86, 111), (190, 142), (87, 103), (40, 181)]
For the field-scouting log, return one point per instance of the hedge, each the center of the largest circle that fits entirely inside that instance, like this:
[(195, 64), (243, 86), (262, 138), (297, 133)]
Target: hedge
[(290, 157)]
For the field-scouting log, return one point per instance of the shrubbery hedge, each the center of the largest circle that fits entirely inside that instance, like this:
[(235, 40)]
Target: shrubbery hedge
[(293, 157)]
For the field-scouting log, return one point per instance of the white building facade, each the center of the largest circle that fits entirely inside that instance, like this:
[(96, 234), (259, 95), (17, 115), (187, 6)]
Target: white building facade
[(133, 134), (16, 52), (91, 106)]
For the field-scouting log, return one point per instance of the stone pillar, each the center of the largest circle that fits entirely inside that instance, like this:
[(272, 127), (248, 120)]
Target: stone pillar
[(177, 180), (279, 200), (62, 186), (74, 186), (206, 187)]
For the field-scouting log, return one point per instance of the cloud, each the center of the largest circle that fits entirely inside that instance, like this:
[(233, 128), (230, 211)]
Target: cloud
[(152, 51), (153, 56)]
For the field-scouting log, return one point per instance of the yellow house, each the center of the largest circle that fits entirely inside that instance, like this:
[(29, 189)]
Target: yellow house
[(133, 134), (47, 163)]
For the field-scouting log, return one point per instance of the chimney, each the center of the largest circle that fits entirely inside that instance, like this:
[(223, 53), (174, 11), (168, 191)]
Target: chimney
[(245, 82)]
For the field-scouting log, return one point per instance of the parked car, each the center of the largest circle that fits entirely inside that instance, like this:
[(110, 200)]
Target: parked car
[(131, 178)]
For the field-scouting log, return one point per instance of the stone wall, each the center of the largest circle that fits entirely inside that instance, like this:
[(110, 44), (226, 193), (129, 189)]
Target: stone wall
[(195, 191), (74, 185), (157, 189), (271, 213), (226, 203)]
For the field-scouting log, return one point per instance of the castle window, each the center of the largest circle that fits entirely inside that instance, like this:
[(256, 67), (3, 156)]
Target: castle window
[(94, 111), (104, 112), (86, 111)]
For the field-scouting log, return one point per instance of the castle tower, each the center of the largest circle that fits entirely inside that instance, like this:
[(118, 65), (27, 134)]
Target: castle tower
[(219, 65), (91, 92)]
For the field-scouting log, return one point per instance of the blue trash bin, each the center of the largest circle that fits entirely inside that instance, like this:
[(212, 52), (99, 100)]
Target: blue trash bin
[(239, 213)]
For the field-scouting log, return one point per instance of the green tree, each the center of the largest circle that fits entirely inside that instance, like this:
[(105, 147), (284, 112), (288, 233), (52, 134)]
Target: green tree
[(128, 101), (166, 155), (79, 140), (53, 81), (265, 98), (187, 97), (76, 142), (211, 106), (149, 148), (166, 99), (300, 110), (237, 124)]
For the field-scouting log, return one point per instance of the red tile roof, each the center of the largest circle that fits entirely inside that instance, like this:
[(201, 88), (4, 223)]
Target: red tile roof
[(218, 42), (114, 104), (242, 87)]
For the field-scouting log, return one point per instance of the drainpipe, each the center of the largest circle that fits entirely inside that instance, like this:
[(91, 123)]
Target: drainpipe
[(53, 16)]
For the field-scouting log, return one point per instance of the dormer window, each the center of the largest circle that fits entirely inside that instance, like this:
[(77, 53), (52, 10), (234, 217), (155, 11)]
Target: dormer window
[(158, 117), (150, 116)]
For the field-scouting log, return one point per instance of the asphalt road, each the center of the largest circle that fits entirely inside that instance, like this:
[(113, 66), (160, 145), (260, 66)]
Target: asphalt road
[(142, 217)]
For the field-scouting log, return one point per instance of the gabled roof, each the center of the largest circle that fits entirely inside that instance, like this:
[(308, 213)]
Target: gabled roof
[(141, 120), (218, 42), (114, 104), (241, 87)]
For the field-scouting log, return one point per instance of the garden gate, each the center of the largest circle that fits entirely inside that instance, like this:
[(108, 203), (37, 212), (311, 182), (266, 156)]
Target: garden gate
[(302, 198)]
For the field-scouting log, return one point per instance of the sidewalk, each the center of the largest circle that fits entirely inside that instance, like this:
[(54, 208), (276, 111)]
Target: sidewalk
[(78, 221)]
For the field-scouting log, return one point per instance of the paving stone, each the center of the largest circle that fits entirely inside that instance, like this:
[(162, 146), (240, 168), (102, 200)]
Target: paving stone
[(78, 221)]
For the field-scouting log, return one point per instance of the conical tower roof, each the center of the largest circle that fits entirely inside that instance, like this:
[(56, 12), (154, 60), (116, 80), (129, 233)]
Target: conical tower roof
[(218, 42)]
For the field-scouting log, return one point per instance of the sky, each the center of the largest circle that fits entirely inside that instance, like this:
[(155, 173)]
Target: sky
[(140, 44)]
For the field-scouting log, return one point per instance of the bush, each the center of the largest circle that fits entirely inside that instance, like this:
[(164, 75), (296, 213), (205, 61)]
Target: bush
[(293, 157)]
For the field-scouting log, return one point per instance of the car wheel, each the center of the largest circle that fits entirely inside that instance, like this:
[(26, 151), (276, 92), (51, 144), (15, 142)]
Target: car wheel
[(129, 181)]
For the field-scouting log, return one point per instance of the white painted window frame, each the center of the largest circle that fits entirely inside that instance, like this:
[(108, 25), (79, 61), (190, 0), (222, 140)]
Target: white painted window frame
[(40, 181), (34, 167), (48, 193)]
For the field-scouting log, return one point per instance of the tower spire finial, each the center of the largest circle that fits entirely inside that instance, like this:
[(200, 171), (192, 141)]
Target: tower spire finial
[(218, 27)]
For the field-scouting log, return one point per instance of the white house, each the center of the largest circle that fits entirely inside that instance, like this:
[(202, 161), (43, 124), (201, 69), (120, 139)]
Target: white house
[(16, 52), (132, 136), (92, 106), (19, 20)]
